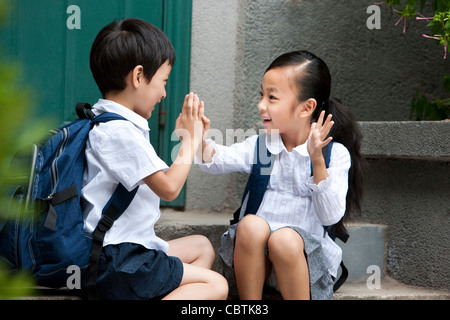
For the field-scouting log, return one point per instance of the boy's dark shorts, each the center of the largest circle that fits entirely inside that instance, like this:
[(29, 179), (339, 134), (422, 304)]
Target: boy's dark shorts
[(129, 271)]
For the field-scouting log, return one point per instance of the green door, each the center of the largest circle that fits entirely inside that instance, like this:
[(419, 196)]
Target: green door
[(52, 39)]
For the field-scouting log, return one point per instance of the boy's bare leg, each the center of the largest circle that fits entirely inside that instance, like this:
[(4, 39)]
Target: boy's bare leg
[(250, 262), (196, 250), (199, 284)]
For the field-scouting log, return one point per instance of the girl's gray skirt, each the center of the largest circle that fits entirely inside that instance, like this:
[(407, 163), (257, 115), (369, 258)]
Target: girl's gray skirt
[(321, 282)]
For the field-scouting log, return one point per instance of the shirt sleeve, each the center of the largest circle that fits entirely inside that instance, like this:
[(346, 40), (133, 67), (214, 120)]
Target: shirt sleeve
[(329, 196), (123, 149), (235, 158)]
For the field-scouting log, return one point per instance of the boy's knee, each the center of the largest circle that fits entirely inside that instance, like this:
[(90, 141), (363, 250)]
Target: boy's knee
[(205, 248), (221, 287), (204, 243), (252, 230)]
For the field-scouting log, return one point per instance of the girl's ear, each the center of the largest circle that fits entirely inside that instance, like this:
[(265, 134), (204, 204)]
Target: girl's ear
[(307, 108), (137, 76)]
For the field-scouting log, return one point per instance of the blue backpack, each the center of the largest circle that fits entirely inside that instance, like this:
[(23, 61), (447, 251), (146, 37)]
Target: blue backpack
[(43, 233), (257, 186)]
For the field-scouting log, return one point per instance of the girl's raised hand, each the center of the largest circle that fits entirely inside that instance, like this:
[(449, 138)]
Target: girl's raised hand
[(318, 136)]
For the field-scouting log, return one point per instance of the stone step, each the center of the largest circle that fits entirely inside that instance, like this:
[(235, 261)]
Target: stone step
[(365, 248), (389, 289), (364, 255)]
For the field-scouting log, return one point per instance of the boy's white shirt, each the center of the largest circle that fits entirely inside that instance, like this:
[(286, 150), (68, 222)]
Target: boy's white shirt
[(292, 198), (120, 151)]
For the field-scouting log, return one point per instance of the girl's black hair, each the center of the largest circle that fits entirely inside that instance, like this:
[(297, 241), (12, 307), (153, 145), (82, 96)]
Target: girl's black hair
[(121, 46), (314, 81)]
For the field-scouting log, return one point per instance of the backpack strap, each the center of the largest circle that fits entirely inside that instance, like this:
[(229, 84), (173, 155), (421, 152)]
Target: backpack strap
[(260, 176), (342, 278), (117, 204), (84, 111), (326, 151), (258, 179)]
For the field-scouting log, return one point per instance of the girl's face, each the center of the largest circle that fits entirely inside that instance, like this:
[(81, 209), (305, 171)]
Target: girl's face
[(278, 104)]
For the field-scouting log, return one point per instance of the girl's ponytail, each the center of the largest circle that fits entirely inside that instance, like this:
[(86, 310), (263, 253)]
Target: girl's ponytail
[(347, 132)]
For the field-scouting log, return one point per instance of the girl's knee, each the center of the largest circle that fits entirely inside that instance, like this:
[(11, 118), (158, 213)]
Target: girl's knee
[(252, 230), (285, 244)]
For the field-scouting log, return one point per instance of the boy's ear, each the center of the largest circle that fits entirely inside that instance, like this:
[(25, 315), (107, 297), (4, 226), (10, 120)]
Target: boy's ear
[(307, 108), (137, 76)]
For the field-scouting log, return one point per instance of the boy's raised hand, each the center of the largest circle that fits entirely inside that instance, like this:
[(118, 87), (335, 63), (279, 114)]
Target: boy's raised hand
[(189, 123)]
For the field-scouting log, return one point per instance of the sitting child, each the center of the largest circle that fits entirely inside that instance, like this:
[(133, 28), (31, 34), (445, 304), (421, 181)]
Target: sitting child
[(131, 61)]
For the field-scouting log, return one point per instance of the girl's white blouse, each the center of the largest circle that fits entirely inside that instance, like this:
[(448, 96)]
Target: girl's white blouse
[(292, 198)]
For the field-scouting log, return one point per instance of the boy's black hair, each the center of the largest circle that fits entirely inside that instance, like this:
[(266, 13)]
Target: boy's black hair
[(122, 45)]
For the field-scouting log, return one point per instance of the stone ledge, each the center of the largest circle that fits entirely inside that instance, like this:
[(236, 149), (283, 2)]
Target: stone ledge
[(390, 289), (426, 140), (175, 224)]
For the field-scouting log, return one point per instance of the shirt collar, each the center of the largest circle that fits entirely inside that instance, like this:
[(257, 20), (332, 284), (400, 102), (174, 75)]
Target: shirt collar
[(104, 105), (275, 145)]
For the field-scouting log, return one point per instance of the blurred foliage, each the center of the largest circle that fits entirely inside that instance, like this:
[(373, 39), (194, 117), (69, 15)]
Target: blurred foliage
[(439, 23), (422, 106), (18, 128)]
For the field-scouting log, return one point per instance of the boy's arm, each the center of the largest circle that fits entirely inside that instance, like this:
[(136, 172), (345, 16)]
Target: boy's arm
[(167, 185)]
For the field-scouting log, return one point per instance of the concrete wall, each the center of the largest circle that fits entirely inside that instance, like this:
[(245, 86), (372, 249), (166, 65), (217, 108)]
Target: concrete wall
[(215, 47), (375, 72), (411, 197), (407, 185)]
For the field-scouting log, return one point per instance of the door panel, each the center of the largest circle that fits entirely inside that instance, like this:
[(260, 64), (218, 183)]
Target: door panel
[(55, 58)]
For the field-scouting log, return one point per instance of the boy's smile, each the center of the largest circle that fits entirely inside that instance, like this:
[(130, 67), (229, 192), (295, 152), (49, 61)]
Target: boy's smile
[(153, 92), (141, 95)]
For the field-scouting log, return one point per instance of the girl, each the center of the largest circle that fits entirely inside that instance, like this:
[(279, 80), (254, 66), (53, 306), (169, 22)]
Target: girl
[(284, 243)]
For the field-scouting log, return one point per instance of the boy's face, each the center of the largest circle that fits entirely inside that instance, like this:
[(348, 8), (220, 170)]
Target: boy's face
[(151, 93)]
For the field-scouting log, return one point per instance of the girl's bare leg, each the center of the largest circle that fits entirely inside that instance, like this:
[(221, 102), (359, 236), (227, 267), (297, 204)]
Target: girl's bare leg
[(291, 268), (250, 262)]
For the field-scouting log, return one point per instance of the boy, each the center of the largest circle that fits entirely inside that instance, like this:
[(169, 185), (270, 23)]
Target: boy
[(131, 61)]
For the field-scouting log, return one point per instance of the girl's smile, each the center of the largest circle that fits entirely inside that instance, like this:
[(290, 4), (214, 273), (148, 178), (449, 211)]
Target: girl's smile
[(278, 102)]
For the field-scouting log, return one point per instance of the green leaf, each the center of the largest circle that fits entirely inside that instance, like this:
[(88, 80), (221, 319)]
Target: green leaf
[(447, 25)]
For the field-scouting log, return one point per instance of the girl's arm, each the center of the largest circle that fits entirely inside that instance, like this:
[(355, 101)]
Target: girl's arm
[(329, 185), (220, 159), (207, 150), (329, 195)]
